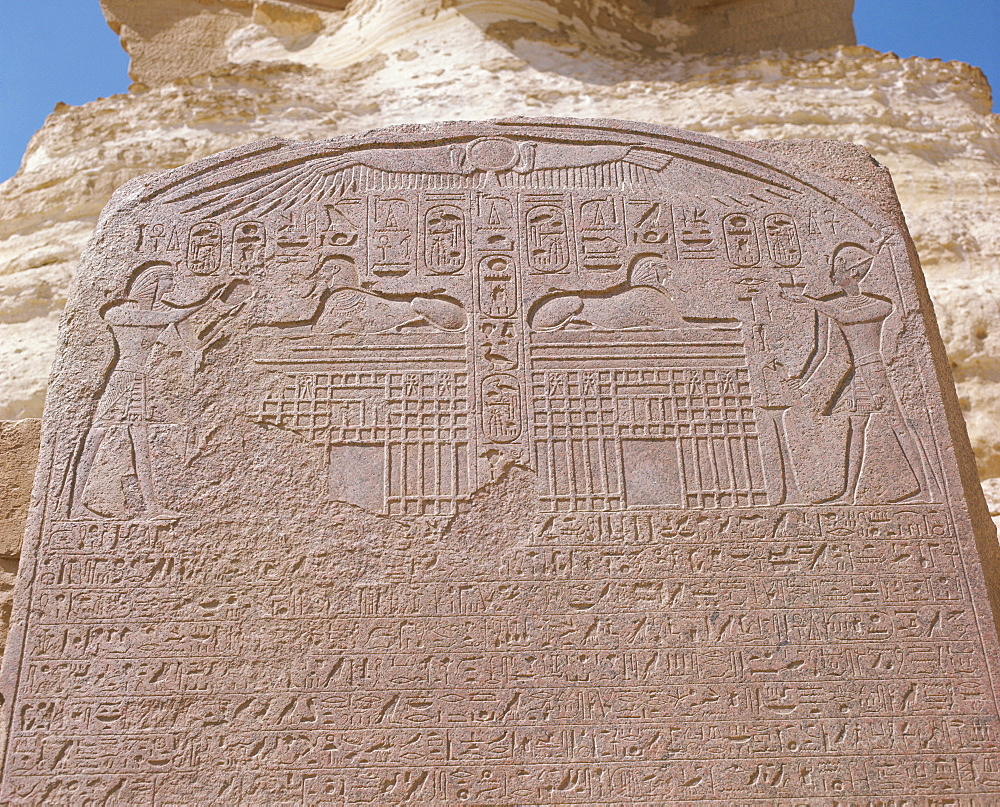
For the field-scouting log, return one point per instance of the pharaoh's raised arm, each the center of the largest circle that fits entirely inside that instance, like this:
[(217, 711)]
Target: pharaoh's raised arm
[(129, 313)]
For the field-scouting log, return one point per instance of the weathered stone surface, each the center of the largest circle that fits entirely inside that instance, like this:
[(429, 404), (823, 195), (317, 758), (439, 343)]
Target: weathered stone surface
[(172, 39), (517, 462), (379, 63), (176, 38), (18, 458)]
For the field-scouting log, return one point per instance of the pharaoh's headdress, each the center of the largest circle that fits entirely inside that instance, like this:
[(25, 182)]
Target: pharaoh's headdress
[(853, 257), (648, 271), (145, 282)]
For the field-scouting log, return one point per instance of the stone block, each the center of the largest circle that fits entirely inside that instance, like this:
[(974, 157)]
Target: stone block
[(528, 461)]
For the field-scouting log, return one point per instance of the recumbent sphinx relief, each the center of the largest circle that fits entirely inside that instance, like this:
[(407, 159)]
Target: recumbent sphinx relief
[(519, 462)]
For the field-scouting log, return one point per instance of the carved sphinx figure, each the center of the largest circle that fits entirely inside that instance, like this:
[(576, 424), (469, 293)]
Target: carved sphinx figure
[(846, 380), (346, 306), (644, 304)]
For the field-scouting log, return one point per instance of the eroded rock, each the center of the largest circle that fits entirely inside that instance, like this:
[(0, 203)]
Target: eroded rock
[(18, 457)]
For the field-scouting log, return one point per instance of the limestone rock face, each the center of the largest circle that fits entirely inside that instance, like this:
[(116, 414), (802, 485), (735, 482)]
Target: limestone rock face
[(171, 39), (18, 454), (212, 74), (18, 457)]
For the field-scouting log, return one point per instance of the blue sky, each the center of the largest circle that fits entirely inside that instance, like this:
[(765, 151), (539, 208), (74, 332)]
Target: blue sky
[(62, 50)]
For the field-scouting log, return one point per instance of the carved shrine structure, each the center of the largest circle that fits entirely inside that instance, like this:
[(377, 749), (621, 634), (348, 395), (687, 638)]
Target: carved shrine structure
[(523, 462)]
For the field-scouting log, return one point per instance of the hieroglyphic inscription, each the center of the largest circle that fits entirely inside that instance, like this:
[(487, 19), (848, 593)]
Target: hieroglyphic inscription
[(508, 463)]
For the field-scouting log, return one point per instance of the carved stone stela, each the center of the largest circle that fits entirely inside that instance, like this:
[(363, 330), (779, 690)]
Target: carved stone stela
[(508, 463)]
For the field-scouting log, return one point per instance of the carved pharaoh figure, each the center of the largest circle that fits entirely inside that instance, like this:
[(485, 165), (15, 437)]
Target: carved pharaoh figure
[(115, 454), (846, 379)]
